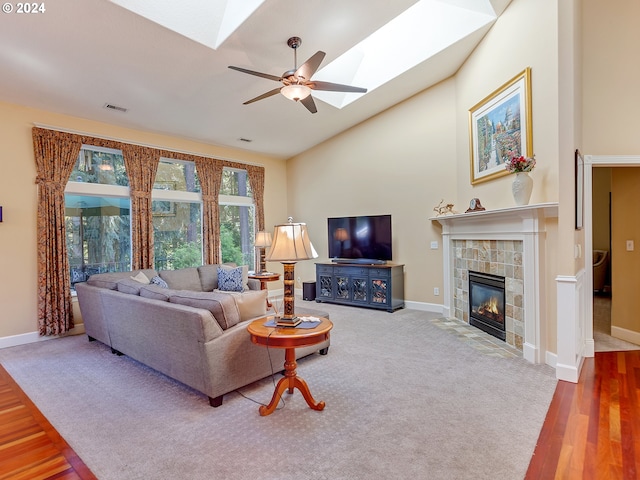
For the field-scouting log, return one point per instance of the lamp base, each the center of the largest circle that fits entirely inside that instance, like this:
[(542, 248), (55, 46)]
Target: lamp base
[(288, 322)]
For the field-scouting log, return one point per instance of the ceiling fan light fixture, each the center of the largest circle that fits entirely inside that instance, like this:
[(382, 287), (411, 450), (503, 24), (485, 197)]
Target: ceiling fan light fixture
[(295, 92)]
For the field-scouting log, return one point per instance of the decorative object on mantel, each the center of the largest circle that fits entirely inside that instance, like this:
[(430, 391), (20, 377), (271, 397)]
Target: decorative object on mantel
[(500, 128), (475, 206), (522, 185), (441, 209)]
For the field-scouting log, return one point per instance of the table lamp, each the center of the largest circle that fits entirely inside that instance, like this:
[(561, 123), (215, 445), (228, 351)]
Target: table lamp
[(290, 244), (263, 240)]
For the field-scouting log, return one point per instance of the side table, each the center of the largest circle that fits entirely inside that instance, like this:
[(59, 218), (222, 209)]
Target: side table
[(289, 338), (264, 278)]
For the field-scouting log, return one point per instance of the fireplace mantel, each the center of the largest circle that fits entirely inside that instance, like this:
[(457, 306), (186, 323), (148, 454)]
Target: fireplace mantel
[(526, 224), (500, 220)]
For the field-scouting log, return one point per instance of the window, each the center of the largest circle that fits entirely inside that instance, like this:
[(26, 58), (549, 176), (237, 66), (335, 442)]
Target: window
[(104, 166), (97, 214), (177, 216), (237, 218)]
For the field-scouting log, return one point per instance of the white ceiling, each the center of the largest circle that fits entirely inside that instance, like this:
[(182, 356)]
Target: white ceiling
[(78, 56)]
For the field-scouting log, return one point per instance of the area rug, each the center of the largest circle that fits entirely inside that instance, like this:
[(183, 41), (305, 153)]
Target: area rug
[(404, 400)]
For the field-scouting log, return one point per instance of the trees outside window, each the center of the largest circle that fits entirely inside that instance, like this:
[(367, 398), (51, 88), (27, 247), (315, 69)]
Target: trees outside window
[(97, 215)]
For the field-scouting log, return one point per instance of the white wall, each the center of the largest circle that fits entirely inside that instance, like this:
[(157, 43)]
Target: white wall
[(524, 36), (405, 160), (402, 162)]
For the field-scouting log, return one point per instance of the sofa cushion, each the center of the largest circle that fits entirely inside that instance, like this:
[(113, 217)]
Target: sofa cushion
[(156, 292), (208, 277), (159, 282), (182, 279), (111, 279), (129, 286), (221, 305), (230, 279), (251, 304)]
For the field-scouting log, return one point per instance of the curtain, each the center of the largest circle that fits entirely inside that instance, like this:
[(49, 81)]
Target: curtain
[(141, 164), (55, 155), (210, 175), (256, 180)]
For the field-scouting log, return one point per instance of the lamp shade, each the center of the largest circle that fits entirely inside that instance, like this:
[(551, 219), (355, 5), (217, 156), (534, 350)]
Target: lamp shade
[(291, 243), (295, 92), (263, 239)]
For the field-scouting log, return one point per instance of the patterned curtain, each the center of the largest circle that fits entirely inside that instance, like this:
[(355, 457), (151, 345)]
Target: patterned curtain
[(210, 175), (55, 155), (141, 164), (256, 180)]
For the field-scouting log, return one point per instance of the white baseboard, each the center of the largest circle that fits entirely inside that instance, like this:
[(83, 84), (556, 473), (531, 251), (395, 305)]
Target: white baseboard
[(551, 359), (626, 335), (33, 337), (425, 307), (569, 373)]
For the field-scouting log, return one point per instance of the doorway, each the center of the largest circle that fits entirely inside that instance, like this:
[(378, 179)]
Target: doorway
[(600, 250)]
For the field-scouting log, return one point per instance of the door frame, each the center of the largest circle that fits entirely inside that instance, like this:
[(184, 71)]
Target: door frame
[(591, 161)]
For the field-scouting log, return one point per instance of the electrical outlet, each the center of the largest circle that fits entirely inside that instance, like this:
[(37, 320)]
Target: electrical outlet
[(434, 245), (436, 291), (630, 246), (299, 282)]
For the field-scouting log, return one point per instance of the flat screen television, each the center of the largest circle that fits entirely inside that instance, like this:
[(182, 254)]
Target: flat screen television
[(361, 239)]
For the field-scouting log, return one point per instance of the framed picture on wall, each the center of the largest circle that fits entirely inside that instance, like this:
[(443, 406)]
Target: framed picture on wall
[(579, 189), (500, 128)]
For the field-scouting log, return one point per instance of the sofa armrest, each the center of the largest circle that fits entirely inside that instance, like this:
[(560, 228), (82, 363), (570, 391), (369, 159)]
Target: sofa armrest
[(254, 284)]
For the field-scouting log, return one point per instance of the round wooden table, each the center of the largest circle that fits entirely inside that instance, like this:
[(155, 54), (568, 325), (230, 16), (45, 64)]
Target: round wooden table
[(264, 278), (289, 338)]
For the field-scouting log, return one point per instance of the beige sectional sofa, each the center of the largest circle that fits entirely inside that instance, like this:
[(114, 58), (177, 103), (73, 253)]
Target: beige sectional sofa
[(186, 329)]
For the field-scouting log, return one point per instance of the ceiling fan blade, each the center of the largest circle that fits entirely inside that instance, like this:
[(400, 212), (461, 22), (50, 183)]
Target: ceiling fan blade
[(309, 103), (257, 74), (270, 93), (335, 87), (308, 68)]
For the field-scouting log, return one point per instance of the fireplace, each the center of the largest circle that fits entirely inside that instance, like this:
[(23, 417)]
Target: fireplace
[(487, 303)]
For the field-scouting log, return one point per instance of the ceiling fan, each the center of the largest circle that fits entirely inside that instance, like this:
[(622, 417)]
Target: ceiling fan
[(297, 83)]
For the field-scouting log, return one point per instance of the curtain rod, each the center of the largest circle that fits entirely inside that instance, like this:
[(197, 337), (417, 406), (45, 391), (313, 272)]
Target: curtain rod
[(103, 137)]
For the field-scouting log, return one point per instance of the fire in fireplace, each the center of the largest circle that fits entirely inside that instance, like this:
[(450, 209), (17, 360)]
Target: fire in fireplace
[(487, 303)]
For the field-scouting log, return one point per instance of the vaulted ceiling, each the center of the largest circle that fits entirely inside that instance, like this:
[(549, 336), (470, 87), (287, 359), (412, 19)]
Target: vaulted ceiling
[(166, 62)]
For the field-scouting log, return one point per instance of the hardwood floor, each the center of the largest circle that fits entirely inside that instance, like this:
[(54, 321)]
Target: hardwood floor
[(30, 448), (592, 428)]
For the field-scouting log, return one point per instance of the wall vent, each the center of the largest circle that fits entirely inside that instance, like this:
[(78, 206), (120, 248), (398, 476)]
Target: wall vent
[(111, 106)]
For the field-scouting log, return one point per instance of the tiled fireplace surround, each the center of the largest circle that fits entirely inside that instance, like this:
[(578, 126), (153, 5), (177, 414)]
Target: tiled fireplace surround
[(509, 242), (497, 257)]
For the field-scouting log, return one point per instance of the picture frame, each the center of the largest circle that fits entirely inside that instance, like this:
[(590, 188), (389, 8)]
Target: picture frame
[(579, 189), (500, 128)]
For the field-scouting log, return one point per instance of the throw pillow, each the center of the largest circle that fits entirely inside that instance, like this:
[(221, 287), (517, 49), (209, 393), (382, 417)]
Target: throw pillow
[(230, 279), (141, 277), (159, 282)]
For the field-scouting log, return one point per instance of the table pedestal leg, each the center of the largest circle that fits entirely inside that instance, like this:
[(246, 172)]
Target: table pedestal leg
[(263, 286), (289, 382)]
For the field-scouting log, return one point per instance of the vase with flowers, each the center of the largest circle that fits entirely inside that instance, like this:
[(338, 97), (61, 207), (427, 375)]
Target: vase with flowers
[(522, 185)]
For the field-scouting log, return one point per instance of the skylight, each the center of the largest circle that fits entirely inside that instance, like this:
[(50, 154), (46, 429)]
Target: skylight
[(420, 32), (209, 22)]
